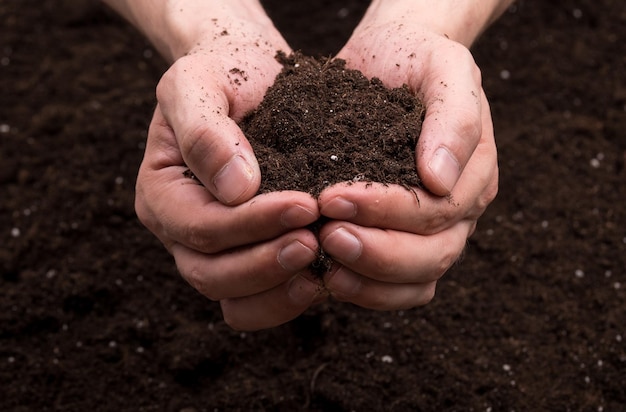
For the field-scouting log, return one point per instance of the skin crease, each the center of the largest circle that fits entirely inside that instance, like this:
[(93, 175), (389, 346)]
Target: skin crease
[(251, 252)]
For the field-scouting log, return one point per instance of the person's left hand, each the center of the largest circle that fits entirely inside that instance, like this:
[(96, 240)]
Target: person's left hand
[(390, 249), (249, 252)]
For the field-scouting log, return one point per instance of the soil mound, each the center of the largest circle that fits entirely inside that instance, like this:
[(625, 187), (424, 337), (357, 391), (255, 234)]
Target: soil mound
[(321, 123)]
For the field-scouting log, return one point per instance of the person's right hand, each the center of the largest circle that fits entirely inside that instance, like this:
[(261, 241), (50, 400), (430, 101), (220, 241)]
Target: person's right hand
[(391, 246), (246, 251)]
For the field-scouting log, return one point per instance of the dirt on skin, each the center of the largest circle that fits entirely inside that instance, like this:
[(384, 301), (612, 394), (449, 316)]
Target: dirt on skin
[(93, 315)]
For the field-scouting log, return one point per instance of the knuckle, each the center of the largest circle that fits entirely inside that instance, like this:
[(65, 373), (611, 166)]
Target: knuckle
[(468, 126), (449, 256), (143, 211), (202, 240), (489, 195), (232, 317), (439, 219), (165, 83), (229, 319), (204, 284), (427, 294), (382, 301), (195, 142), (465, 56)]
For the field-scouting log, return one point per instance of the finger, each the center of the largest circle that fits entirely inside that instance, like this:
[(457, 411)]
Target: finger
[(196, 107), (394, 207), (273, 307), (187, 214), (179, 210), (454, 119), (249, 270), (348, 286), (393, 256)]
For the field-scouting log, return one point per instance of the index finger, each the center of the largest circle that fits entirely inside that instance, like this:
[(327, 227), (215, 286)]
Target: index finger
[(395, 207)]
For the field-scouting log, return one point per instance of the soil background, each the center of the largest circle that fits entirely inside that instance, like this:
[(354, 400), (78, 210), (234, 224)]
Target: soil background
[(93, 315)]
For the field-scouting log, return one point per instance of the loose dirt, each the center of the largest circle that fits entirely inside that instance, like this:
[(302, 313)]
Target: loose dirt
[(321, 123), (93, 315)]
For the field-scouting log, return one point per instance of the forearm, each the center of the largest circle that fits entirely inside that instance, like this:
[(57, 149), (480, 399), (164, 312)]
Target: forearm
[(174, 26), (460, 20)]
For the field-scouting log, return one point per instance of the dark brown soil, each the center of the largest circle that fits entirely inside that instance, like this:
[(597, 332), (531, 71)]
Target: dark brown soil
[(94, 317), (321, 123)]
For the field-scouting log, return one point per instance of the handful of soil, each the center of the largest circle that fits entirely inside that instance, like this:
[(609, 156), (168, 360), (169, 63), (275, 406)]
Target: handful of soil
[(321, 123)]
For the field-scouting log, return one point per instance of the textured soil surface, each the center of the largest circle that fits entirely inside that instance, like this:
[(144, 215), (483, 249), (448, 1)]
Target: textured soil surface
[(321, 123), (93, 315)]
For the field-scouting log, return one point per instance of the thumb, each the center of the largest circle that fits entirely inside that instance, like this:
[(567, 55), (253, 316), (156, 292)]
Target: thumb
[(452, 126), (224, 162), (211, 143)]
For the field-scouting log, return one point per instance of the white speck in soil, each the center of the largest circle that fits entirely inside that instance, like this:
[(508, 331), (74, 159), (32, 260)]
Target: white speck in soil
[(387, 359)]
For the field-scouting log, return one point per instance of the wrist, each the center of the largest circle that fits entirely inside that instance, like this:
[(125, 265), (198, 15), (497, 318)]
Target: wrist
[(189, 23), (175, 27), (461, 21)]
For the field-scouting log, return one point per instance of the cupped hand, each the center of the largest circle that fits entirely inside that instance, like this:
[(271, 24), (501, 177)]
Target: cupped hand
[(389, 247), (248, 252)]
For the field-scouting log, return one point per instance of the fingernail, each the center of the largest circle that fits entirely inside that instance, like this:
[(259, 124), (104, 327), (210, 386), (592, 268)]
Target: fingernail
[(445, 166), (295, 256), (339, 208), (344, 282), (344, 245), (297, 216), (302, 290), (234, 179)]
